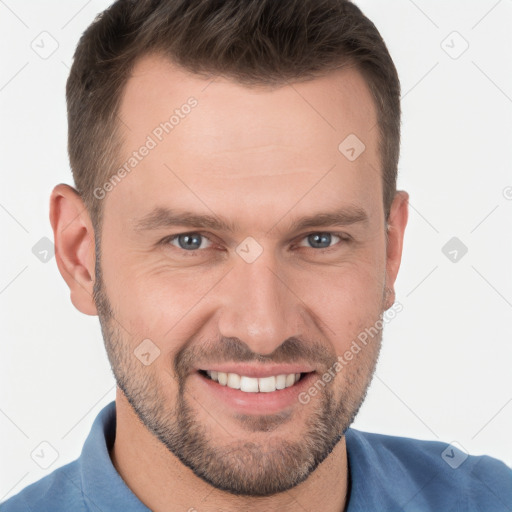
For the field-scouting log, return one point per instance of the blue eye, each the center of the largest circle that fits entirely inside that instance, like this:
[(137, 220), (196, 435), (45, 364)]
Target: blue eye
[(188, 241), (316, 239), (193, 243)]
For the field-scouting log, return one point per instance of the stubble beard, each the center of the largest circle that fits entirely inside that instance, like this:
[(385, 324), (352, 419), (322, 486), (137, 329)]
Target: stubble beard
[(242, 467)]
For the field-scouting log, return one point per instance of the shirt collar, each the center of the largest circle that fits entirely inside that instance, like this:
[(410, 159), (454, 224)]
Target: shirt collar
[(368, 477), (102, 486)]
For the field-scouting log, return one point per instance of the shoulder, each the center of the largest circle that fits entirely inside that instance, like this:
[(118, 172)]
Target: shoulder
[(58, 491), (431, 472)]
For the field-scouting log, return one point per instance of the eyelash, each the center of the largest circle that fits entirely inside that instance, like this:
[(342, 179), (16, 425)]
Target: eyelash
[(344, 238)]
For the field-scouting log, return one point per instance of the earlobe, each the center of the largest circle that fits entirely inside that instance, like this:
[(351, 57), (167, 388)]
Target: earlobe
[(397, 223), (74, 245)]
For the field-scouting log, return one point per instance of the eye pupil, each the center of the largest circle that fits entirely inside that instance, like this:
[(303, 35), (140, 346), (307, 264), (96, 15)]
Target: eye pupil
[(319, 238)]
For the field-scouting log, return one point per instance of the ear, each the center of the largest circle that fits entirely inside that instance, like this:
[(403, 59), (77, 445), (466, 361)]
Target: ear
[(398, 215), (74, 245)]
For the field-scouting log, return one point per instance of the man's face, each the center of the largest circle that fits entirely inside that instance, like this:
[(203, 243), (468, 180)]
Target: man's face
[(265, 298)]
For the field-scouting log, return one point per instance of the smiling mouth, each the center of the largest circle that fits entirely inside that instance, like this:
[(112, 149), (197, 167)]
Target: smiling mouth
[(253, 384)]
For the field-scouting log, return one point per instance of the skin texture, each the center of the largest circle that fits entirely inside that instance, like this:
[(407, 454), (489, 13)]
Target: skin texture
[(263, 158)]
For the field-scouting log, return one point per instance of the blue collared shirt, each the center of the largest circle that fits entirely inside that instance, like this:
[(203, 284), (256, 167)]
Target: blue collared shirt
[(387, 473)]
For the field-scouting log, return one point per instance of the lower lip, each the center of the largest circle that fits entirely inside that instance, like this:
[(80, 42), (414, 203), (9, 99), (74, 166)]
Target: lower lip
[(256, 403)]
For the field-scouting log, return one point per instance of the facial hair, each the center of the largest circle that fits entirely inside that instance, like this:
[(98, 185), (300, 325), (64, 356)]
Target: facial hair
[(243, 467)]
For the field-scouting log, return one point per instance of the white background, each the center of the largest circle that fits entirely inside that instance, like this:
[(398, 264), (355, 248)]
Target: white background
[(445, 367)]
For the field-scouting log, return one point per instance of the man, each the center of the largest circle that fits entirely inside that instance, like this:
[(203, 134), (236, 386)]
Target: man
[(237, 229)]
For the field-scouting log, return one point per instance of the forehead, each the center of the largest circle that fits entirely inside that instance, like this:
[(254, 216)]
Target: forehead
[(335, 103), (217, 140)]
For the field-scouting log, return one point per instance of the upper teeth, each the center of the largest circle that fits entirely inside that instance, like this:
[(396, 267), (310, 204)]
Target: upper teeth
[(251, 384)]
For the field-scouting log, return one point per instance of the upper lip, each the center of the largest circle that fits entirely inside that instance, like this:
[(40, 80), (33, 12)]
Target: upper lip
[(258, 371)]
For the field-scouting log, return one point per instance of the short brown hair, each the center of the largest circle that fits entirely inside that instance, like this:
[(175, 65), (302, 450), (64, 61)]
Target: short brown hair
[(254, 42)]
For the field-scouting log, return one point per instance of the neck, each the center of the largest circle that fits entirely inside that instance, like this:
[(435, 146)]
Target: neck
[(164, 484)]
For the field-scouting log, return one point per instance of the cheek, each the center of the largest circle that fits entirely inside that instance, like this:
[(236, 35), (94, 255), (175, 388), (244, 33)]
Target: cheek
[(346, 295), (157, 302)]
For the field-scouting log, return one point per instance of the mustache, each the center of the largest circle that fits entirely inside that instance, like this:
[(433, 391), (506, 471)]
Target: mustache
[(292, 350)]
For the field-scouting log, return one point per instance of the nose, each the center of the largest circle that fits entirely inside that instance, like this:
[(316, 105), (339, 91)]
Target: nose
[(259, 305)]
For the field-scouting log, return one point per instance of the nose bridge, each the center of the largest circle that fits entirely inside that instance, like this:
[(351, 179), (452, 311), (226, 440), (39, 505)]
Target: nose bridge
[(258, 308)]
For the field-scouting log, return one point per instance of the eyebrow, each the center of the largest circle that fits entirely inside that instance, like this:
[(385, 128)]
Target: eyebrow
[(161, 217)]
